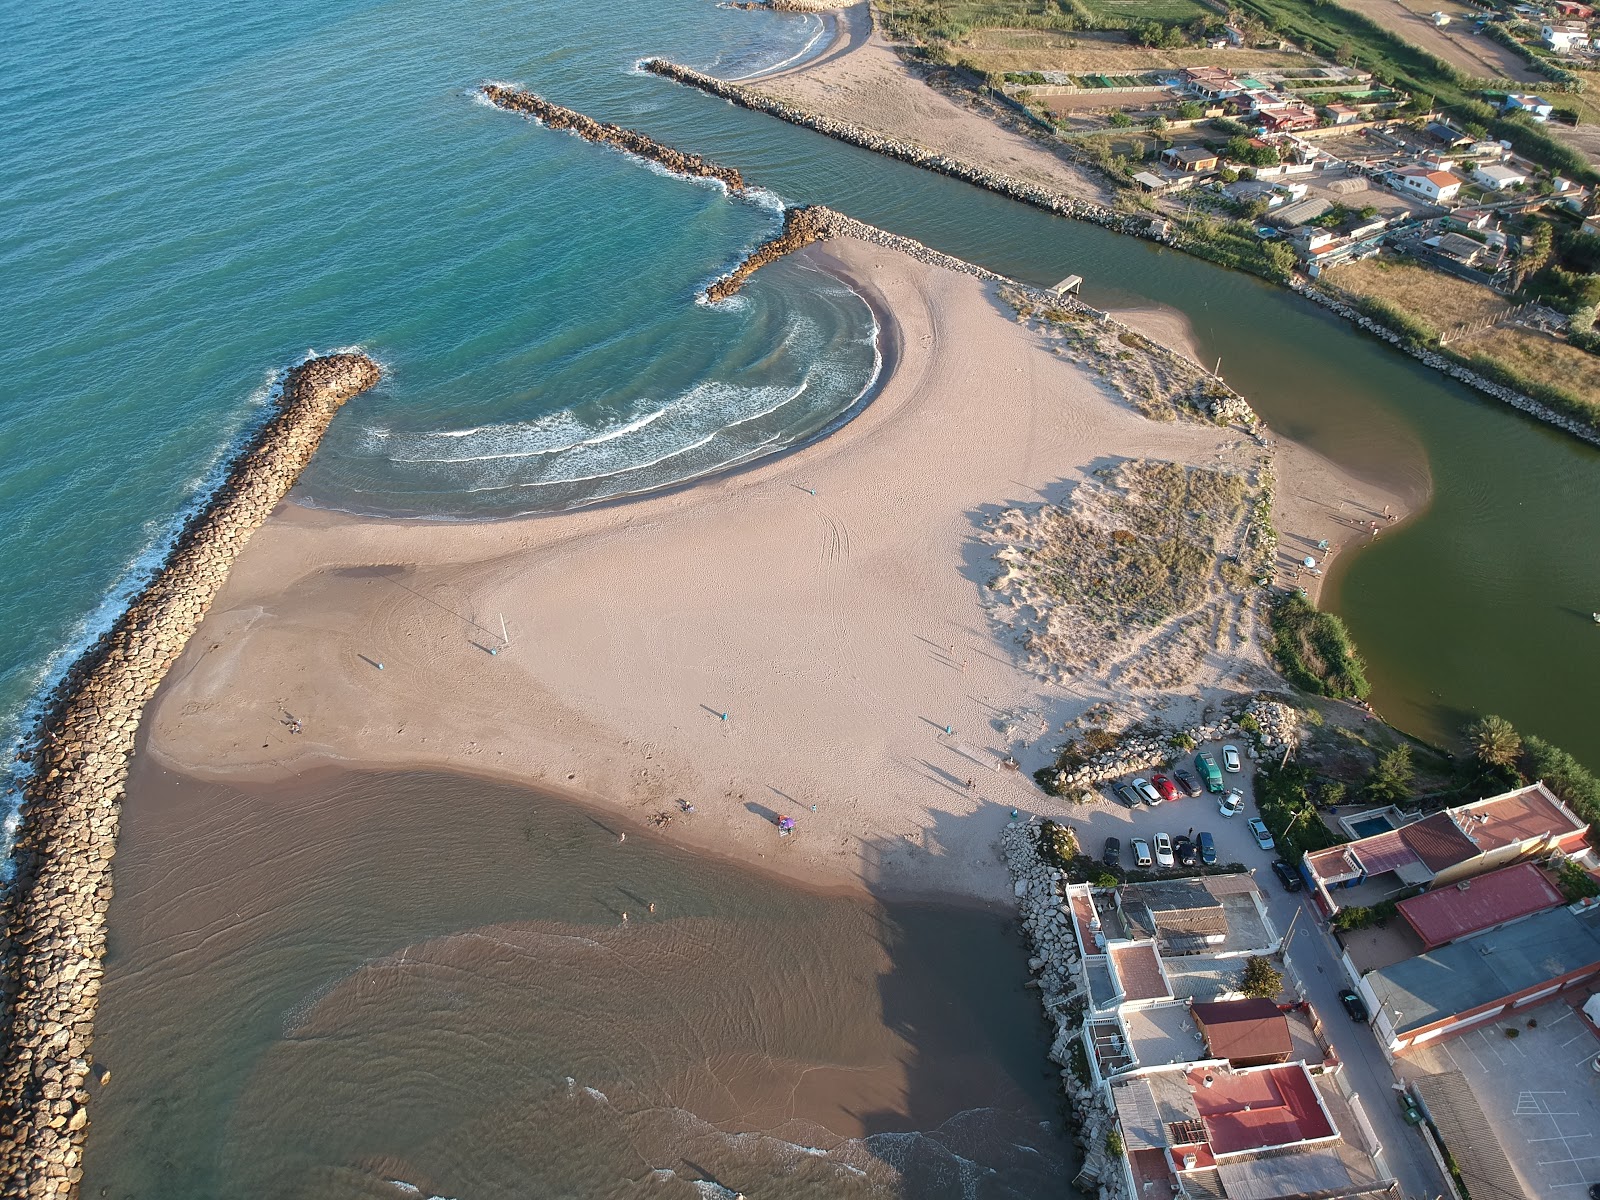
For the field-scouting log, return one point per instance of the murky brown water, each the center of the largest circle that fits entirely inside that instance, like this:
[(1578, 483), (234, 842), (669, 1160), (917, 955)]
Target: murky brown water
[(372, 983)]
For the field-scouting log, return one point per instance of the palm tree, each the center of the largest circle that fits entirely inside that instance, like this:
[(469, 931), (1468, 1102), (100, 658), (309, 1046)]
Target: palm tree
[(1495, 742)]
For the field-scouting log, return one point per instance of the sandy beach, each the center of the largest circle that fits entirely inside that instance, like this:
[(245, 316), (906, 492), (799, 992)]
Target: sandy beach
[(831, 602)]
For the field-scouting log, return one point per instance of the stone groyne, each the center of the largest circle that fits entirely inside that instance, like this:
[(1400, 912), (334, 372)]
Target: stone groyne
[(801, 227), (54, 907), (868, 139), (556, 117), (1141, 226)]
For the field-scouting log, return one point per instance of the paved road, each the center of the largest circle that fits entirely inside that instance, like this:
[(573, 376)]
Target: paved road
[(1315, 958)]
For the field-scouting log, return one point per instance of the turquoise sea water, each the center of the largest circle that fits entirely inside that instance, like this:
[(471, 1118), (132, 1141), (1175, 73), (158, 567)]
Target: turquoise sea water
[(197, 196)]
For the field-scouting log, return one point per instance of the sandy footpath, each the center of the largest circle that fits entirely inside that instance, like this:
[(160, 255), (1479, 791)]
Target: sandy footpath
[(840, 631)]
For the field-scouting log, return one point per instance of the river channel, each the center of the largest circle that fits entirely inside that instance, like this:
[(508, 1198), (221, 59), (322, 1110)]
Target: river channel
[(1481, 603)]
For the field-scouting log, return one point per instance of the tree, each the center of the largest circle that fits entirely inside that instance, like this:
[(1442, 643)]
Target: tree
[(1494, 742), (1280, 258), (1576, 883), (1390, 781), (1156, 124), (1119, 120), (1189, 110), (1261, 979), (1421, 102)]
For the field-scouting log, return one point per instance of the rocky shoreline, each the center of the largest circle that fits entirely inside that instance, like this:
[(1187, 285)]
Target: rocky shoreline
[(920, 156), (556, 117), (76, 760), (1450, 367), (1141, 226)]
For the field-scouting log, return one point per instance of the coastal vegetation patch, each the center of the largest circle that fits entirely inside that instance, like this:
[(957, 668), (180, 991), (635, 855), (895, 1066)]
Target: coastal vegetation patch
[(1126, 579), (1314, 651)]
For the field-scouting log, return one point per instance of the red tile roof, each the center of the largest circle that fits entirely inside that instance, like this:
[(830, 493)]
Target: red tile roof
[(1437, 842), (1139, 970), (1383, 852), (1258, 1109), (1477, 904)]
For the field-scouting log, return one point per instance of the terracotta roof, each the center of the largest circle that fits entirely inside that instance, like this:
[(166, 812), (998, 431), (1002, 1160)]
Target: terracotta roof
[(1139, 970), (1437, 842), (1383, 852), (1478, 904), (1237, 1029), (1523, 815)]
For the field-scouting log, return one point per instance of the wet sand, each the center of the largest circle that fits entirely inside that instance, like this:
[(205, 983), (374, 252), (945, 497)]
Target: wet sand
[(320, 987), (832, 602)]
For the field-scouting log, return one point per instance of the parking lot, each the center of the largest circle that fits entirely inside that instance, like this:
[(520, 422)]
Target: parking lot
[(1537, 1089), (1109, 818)]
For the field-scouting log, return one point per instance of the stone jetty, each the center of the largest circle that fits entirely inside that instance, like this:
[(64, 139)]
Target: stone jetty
[(1060, 203), (801, 227), (76, 765), (556, 117), (1142, 226)]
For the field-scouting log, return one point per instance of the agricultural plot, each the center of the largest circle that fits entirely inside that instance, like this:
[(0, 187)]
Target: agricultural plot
[(1470, 53), (1102, 53)]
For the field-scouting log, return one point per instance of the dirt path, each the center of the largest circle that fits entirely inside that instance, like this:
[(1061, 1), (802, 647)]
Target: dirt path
[(1456, 43)]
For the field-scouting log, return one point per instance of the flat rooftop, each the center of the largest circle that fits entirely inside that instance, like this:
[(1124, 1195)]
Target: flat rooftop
[(1138, 967), (1486, 967), (1258, 1108), (1163, 1034), (1523, 815), (1474, 905)]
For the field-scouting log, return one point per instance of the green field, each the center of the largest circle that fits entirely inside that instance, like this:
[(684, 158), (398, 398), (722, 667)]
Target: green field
[(1113, 13)]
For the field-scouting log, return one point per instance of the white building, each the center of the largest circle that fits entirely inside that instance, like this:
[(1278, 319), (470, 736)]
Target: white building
[(1439, 186), (1440, 19), (1498, 178), (1568, 35), (1536, 107)]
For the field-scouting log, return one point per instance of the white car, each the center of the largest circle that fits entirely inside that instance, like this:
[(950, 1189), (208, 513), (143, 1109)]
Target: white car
[(1148, 790), (1141, 853), (1230, 759), (1258, 830), (1163, 850), (1232, 804)]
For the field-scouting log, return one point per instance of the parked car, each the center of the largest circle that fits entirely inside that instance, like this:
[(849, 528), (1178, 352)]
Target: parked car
[(1126, 795), (1151, 796), (1141, 853), (1208, 848), (1163, 850), (1186, 782), (1168, 789), (1208, 770), (1353, 1004), (1231, 804), (1230, 759), (1112, 854), (1288, 876), (1184, 850), (1259, 831)]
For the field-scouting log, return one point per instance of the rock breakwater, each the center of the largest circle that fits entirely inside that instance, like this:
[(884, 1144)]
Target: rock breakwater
[(1139, 225), (801, 227), (556, 117), (54, 907)]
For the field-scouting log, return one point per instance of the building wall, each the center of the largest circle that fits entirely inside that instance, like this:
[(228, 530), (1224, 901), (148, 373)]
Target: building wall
[(1460, 1022)]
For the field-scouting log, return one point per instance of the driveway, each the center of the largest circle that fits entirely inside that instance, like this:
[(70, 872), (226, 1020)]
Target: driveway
[(1537, 1089), (1310, 952), (1096, 822)]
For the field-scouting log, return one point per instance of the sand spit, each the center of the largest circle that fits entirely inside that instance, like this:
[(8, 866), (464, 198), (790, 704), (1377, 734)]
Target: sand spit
[(55, 905), (556, 117), (1049, 199)]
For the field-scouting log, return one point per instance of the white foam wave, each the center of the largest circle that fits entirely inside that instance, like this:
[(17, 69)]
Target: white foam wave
[(411, 1189), (136, 574), (798, 55)]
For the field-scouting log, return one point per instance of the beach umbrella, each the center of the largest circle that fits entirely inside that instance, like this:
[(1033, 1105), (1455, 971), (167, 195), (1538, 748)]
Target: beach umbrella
[(1310, 562), (786, 823)]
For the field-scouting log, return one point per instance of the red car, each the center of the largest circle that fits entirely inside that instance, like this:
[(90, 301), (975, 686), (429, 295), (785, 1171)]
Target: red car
[(1168, 789)]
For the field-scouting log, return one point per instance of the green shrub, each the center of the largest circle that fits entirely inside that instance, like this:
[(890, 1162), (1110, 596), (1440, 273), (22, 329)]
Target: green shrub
[(1261, 979), (1576, 883), (1314, 651)]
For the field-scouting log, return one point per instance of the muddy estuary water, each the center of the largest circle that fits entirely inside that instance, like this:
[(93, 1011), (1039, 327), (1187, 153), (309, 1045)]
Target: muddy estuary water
[(371, 983)]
